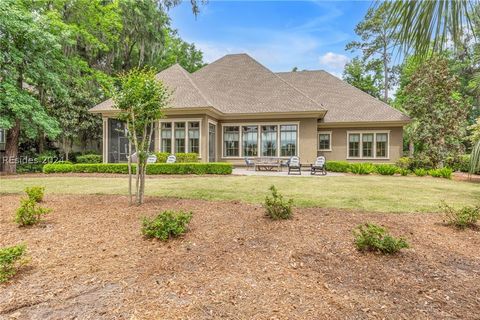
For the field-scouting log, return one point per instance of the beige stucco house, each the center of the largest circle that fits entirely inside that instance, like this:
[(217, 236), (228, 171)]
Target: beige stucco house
[(235, 108)]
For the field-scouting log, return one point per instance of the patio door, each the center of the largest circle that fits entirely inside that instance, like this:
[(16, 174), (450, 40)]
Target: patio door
[(212, 142)]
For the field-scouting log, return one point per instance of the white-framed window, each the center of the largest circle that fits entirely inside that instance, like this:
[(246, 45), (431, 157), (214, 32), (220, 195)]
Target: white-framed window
[(325, 141), (288, 140), (2, 136), (231, 141), (259, 139), (180, 135), (368, 144)]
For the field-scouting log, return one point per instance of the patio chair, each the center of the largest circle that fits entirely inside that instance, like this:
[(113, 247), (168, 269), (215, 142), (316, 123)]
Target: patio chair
[(249, 163), (294, 165), (319, 166), (171, 159)]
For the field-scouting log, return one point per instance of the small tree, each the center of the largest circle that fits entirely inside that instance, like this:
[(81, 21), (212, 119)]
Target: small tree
[(141, 99)]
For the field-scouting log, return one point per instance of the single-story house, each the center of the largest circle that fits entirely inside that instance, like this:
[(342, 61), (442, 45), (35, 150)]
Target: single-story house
[(235, 108)]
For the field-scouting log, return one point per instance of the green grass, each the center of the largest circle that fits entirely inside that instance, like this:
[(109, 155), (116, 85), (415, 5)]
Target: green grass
[(369, 193)]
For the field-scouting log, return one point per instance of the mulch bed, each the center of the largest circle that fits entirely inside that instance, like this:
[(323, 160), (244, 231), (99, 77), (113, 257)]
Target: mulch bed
[(90, 261)]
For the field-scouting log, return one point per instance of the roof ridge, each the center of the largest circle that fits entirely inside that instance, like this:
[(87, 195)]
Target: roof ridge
[(187, 75), (288, 83)]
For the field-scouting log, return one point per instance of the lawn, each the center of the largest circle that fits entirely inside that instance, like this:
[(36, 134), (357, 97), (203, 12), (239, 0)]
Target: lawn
[(366, 193)]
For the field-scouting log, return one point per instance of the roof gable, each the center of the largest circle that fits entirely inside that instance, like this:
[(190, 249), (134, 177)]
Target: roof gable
[(344, 102)]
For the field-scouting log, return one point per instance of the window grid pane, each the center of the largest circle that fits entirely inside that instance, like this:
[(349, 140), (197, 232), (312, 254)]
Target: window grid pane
[(288, 140), (250, 141), (324, 141), (269, 141), (367, 145), (382, 140), (194, 137), (354, 145), (231, 142), (179, 137)]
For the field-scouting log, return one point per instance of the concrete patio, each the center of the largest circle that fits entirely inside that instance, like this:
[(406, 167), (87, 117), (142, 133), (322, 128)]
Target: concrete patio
[(242, 171)]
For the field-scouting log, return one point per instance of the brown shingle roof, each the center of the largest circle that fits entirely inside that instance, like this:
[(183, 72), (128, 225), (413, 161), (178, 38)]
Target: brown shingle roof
[(344, 102), (237, 83)]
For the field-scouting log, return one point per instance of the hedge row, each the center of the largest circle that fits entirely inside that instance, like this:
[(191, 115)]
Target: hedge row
[(152, 169), (181, 157), (384, 169)]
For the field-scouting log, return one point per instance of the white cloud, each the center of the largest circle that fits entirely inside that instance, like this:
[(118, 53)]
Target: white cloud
[(335, 61)]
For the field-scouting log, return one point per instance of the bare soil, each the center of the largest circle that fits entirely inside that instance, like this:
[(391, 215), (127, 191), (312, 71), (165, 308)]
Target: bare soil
[(90, 261)]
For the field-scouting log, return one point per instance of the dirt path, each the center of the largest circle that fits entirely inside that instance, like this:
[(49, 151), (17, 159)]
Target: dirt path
[(89, 261)]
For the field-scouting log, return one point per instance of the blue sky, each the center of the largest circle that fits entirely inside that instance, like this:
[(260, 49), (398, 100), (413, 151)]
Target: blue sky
[(279, 34)]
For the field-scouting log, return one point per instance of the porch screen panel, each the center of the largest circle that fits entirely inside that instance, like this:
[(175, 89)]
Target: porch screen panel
[(194, 137), (367, 145), (231, 141), (382, 142), (288, 140), (269, 141), (250, 141), (179, 137), (354, 145), (166, 137)]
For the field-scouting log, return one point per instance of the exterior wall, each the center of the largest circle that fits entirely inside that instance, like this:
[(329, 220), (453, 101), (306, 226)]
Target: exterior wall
[(339, 143)]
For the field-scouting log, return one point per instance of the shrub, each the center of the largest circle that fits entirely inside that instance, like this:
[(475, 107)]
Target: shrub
[(276, 207), (166, 225), (465, 217), (181, 157), (57, 168), (420, 172), (404, 172), (386, 169), (441, 173), (89, 158), (404, 163), (35, 193), (11, 258), (421, 161), (338, 166), (370, 237), (154, 168), (29, 213), (362, 168)]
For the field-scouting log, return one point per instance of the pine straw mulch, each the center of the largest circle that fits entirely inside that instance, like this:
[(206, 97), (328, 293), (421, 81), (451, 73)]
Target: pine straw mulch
[(89, 261)]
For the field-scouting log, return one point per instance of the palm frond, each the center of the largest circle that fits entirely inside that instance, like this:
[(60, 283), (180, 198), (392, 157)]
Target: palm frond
[(424, 26)]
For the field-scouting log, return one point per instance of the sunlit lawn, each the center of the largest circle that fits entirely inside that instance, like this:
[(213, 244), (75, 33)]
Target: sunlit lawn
[(369, 193)]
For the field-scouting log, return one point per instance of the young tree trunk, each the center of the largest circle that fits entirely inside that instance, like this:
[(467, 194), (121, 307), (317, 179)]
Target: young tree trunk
[(385, 74), (411, 148), (11, 149), (130, 171)]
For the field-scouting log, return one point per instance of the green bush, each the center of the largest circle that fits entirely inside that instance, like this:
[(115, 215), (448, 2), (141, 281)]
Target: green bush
[(338, 166), (404, 172), (441, 173), (29, 167), (181, 157), (276, 207), (11, 259), (421, 161), (89, 158), (465, 217), (152, 169), (166, 225), (404, 163), (29, 213), (35, 193), (362, 168), (420, 172), (370, 237), (386, 169), (57, 168)]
